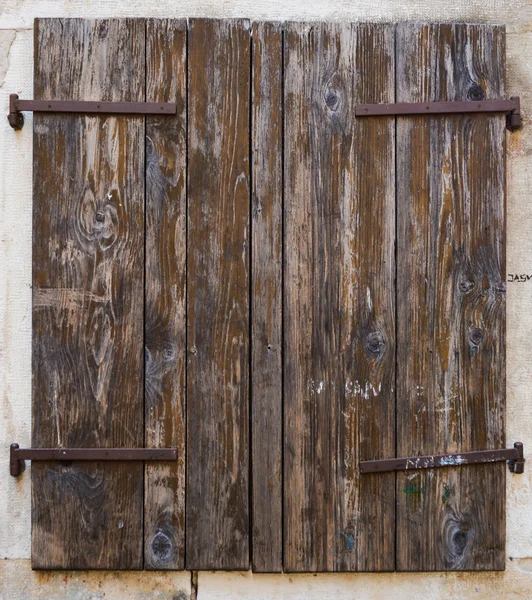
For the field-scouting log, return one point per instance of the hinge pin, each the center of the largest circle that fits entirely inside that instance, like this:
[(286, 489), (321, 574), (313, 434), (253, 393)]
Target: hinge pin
[(15, 117), (513, 118)]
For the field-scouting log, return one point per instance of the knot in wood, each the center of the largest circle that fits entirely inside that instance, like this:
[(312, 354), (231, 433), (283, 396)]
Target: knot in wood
[(97, 222), (331, 99), (169, 351), (465, 285), (375, 343), (161, 547), (475, 93), (460, 541), (458, 533), (475, 336)]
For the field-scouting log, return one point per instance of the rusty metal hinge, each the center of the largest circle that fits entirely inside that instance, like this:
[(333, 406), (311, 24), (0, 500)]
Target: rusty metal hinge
[(511, 107), (514, 455), (16, 106), (18, 455)]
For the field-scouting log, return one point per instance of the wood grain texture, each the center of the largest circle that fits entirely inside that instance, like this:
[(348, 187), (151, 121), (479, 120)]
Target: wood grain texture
[(339, 300), (218, 303), (88, 279), (165, 318), (266, 324), (451, 297)]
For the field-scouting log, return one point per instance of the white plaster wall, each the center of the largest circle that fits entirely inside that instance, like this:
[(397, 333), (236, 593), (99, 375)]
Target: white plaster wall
[(16, 64)]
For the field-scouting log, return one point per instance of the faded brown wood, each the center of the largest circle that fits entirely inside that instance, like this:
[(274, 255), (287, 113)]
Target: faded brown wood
[(339, 310), (165, 319), (88, 272), (218, 238), (451, 298), (266, 333)]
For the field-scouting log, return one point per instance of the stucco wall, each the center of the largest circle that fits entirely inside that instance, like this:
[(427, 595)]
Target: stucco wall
[(16, 58)]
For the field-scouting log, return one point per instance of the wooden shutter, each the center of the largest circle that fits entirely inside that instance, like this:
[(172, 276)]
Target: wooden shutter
[(267, 298), (165, 295), (218, 241), (88, 294), (339, 298), (273, 287), (451, 277)]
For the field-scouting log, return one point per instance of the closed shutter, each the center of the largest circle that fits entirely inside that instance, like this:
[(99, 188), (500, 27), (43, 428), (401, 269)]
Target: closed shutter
[(451, 305), (274, 287), (339, 298), (88, 295)]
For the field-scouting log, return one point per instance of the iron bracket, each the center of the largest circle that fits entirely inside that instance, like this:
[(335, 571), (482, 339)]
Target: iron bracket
[(18, 455), (514, 456), (511, 107), (16, 106)]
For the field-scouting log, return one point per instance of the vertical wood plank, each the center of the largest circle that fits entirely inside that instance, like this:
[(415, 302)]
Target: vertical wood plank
[(88, 280), (165, 326), (217, 504), (267, 393), (339, 354), (451, 297)]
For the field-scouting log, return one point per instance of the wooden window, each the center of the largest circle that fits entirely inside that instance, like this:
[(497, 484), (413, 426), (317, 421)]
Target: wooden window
[(273, 287)]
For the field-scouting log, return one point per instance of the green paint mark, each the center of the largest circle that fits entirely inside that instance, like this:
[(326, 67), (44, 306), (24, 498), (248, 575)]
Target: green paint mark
[(448, 492), (414, 489)]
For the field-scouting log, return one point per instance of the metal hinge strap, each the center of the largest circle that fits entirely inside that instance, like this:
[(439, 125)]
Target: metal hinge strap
[(514, 455), (18, 455), (511, 107), (16, 106)]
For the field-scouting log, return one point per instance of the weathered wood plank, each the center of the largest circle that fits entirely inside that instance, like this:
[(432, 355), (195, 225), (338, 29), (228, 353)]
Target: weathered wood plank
[(451, 297), (217, 511), (339, 310), (165, 319), (88, 279), (266, 332)]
